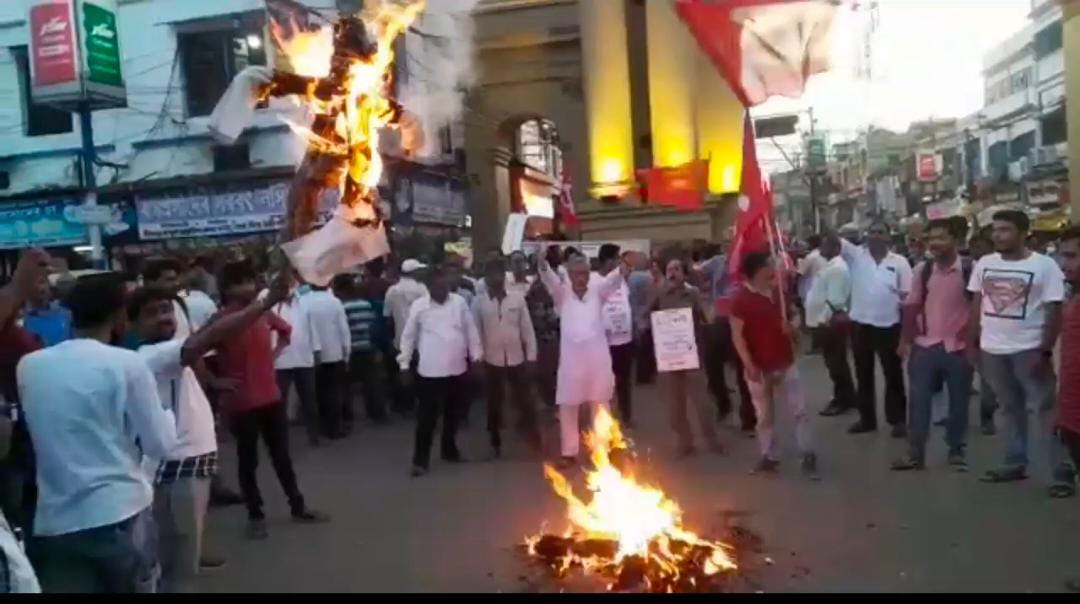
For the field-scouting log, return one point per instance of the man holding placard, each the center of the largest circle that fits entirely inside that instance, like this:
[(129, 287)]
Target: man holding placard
[(678, 324)]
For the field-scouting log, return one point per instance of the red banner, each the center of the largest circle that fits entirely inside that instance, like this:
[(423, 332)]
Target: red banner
[(682, 187), (53, 42)]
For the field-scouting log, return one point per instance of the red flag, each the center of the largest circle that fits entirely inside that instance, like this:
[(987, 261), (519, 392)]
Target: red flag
[(567, 211), (763, 47), (754, 225), (682, 187)]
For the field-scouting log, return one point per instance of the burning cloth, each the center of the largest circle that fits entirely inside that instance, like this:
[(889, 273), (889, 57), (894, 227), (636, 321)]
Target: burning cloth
[(341, 73)]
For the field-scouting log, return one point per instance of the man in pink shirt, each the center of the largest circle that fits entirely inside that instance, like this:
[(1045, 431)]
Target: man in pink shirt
[(933, 339)]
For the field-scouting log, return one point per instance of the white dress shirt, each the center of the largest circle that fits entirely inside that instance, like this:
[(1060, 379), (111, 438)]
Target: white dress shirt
[(506, 330), (180, 392), (830, 292), (86, 403), (304, 341), (445, 336), (878, 289), (200, 308), (399, 299), (331, 324)]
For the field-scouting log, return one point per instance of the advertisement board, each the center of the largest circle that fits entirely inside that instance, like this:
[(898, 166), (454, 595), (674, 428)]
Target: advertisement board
[(202, 212), (75, 54)]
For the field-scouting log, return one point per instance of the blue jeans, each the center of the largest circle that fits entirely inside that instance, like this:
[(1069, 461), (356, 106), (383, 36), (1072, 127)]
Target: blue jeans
[(1018, 390), (928, 368)]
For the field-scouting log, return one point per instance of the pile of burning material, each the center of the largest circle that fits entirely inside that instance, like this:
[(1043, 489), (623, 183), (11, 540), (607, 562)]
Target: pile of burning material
[(341, 74), (629, 532)]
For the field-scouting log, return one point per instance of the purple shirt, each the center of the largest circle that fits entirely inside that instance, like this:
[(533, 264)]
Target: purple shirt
[(947, 309)]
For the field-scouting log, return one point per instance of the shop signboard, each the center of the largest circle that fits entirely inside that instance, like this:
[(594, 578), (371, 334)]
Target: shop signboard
[(38, 223), (202, 212), (75, 54)]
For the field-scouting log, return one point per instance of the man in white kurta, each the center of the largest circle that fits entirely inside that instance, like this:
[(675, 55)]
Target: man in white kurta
[(585, 376)]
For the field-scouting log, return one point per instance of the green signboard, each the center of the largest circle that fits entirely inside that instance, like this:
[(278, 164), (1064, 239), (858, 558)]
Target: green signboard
[(102, 45)]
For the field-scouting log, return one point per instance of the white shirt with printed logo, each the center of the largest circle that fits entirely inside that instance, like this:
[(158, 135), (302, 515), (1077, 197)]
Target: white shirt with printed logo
[(1015, 294)]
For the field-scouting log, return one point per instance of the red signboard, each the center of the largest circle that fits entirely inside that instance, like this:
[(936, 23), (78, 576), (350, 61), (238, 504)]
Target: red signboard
[(52, 32), (928, 171)]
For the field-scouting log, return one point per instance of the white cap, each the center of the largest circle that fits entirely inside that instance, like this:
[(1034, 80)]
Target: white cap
[(411, 266)]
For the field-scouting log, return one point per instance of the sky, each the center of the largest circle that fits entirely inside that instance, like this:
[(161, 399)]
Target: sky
[(927, 62)]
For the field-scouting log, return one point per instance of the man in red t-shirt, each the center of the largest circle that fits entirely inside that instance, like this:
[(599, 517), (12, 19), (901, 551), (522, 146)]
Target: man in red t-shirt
[(1068, 421), (253, 403), (763, 338)]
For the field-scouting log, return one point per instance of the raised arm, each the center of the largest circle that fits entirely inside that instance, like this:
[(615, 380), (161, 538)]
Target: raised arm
[(229, 326), (611, 282), (548, 277)]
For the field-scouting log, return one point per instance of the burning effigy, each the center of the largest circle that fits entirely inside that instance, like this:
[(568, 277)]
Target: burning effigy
[(629, 532), (340, 72)]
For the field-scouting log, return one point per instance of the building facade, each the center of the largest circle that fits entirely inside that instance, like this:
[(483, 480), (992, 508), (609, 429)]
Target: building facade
[(595, 89), (157, 159)]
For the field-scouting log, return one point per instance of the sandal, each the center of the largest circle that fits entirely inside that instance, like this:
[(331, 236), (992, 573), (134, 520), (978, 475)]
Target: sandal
[(1061, 490), (1004, 475)]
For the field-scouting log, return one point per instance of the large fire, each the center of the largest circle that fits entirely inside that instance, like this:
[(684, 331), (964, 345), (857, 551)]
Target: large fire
[(342, 72), (628, 531)]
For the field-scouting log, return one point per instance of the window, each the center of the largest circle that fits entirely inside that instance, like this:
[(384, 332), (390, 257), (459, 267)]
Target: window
[(1054, 127), (1048, 40), (1020, 146), (538, 146), (38, 120), (211, 59)]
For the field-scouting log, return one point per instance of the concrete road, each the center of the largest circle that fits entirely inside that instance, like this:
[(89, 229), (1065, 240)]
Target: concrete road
[(862, 528)]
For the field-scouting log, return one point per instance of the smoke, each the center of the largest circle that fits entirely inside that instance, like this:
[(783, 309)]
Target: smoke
[(439, 67)]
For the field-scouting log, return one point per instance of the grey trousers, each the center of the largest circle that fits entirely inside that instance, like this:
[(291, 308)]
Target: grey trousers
[(180, 512)]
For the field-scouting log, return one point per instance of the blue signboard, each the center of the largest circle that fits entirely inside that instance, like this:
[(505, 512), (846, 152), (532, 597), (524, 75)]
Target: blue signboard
[(38, 223)]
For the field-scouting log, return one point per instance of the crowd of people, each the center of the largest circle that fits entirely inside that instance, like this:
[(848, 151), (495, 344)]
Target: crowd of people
[(113, 396)]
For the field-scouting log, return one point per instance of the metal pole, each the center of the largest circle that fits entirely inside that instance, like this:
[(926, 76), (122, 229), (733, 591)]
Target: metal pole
[(813, 181), (86, 128)]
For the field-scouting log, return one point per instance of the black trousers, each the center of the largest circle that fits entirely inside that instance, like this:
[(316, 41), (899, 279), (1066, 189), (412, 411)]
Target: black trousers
[(646, 358), (272, 424), (833, 342), (720, 351), (438, 396), (512, 379), (364, 372), (867, 342), (330, 385), (404, 394), (622, 365), (304, 378)]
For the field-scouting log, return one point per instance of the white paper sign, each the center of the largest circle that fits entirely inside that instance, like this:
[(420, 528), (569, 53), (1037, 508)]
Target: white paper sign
[(674, 340), (515, 232)]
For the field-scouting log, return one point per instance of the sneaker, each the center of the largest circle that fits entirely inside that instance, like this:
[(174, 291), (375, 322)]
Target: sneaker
[(418, 471), (765, 466), (209, 563), (809, 466), (309, 516), (256, 529), (958, 462), (907, 464)]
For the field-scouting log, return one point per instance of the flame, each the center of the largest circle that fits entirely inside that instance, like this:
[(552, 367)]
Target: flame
[(350, 117), (639, 519)]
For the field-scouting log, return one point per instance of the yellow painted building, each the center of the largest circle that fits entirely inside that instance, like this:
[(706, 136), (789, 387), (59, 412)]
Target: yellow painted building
[(599, 88)]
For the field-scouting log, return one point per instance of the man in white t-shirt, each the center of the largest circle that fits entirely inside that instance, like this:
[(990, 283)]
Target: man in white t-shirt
[(295, 364), (619, 329), (93, 411), (880, 281), (182, 478), (1016, 320)]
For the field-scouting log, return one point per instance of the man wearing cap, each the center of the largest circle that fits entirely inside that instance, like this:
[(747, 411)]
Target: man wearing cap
[(399, 298)]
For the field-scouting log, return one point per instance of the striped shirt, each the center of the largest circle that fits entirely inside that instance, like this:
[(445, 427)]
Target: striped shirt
[(361, 316)]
